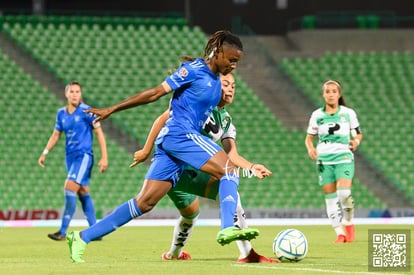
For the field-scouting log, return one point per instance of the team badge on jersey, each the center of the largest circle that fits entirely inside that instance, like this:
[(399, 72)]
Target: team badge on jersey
[(183, 72)]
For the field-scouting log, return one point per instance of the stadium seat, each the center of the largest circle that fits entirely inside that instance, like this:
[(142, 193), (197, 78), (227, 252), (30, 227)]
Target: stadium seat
[(117, 61), (374, 81)]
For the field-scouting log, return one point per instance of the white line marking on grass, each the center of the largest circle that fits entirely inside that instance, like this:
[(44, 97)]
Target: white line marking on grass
[(278, 267)]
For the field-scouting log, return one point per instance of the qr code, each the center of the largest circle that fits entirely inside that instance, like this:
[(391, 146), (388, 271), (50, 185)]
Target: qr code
[(389, 250)]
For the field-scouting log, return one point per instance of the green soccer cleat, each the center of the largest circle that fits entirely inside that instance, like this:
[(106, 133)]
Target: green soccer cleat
[(229, 234), (76, 246)]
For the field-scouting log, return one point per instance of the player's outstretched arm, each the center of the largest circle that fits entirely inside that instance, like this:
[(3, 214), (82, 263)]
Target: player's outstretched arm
[(260, 170), (229, 145), (141, 98), (142, 155)]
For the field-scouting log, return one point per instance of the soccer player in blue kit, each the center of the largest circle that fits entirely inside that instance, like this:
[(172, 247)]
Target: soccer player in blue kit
[(196, 90), (78, 128), (193, 183)]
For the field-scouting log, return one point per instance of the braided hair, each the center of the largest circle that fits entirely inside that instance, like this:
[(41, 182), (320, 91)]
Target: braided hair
[(218, 39)]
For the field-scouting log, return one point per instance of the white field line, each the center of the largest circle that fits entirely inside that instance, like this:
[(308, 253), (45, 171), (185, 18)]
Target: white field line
[(310, 269)]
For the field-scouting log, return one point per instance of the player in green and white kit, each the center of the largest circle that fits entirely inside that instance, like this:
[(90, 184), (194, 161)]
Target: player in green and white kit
[(339, 135), (194, 183)]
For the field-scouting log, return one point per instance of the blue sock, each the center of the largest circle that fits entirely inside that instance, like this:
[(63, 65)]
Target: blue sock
[(88, 208), (70, 208), (228, 199), (120, 216)]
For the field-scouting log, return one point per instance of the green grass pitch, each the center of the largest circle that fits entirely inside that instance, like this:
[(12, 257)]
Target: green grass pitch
[(137, 250)]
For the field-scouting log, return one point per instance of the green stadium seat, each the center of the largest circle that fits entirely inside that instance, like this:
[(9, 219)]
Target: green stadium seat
[(382, 80), (309, 22), (117, 62)]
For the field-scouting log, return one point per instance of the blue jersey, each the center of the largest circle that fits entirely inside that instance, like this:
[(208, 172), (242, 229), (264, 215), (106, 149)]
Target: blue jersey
[(77, 128), (197, 91)]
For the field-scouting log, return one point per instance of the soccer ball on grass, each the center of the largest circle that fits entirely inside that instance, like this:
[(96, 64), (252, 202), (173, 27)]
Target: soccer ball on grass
[(290, 245)]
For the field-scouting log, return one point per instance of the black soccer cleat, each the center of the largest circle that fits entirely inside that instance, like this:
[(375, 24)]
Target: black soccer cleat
[(57, 236)]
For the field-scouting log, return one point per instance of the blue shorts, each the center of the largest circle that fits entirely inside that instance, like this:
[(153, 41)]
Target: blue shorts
[(79, 167), (173, 152)]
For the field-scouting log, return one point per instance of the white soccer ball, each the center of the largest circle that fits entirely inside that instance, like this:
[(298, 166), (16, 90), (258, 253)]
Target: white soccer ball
[(290, 245)]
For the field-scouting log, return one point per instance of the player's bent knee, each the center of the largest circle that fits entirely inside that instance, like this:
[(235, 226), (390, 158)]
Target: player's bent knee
[(145, 206), (190, 210)]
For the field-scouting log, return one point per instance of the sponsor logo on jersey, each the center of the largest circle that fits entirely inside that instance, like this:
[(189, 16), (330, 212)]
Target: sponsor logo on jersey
[(211, 126)]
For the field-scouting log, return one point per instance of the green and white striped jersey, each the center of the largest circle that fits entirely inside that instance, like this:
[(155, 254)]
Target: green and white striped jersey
[(219, 125), (334, 134)]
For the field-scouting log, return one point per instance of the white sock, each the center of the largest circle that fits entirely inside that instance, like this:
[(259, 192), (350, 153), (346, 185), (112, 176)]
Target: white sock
[(182, 232), (240, 221), (347, 203), (334, 212), (244, 248)]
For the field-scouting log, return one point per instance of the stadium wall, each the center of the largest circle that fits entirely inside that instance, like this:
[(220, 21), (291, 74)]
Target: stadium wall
[(320, 41), (165, 214), (264, 16)]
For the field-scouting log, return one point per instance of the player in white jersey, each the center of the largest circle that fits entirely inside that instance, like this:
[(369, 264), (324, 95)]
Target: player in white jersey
[(193, 183), (78, 128), (337, 128)]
